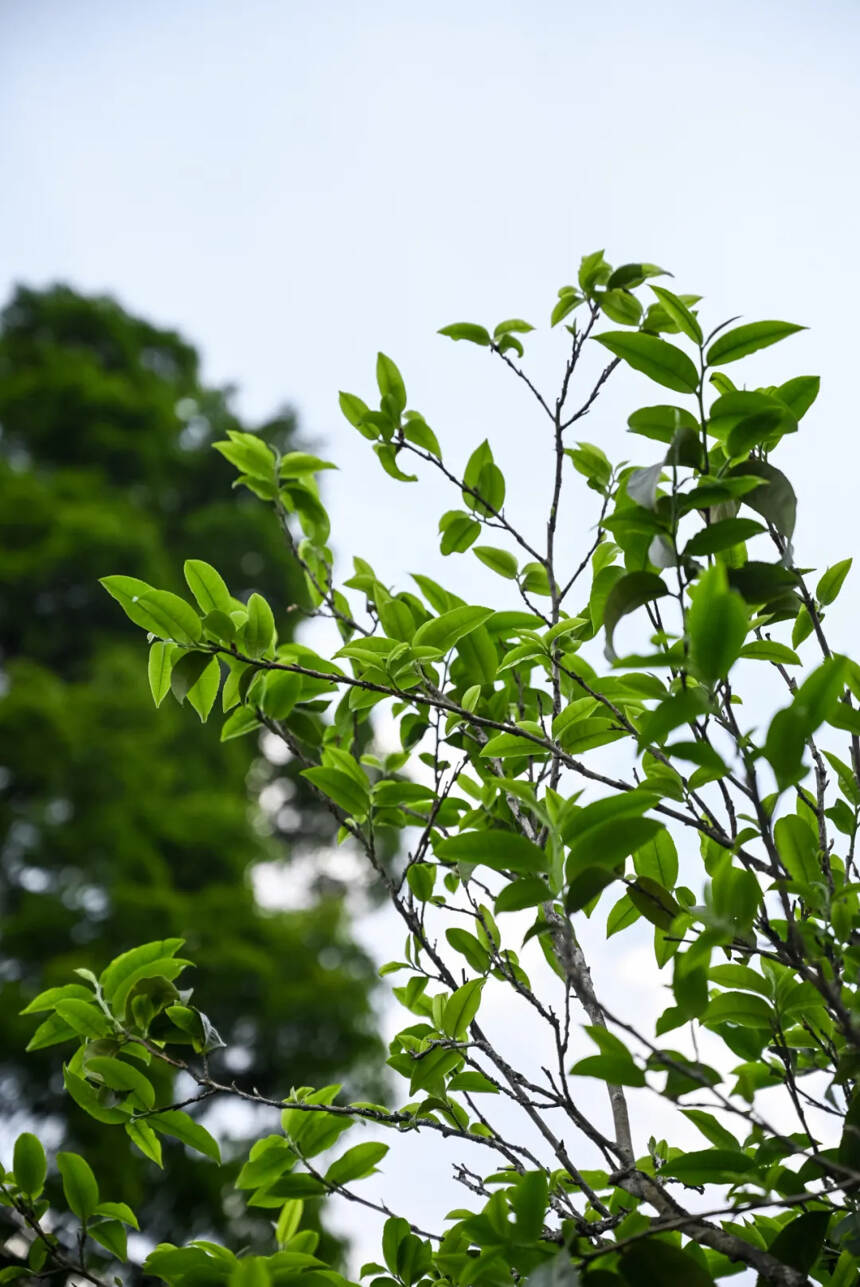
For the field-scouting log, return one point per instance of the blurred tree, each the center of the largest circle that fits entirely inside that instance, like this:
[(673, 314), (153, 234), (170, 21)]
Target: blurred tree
[(113, 817)]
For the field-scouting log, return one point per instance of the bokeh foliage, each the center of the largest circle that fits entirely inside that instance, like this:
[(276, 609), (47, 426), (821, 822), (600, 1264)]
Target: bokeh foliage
[(114, 816)]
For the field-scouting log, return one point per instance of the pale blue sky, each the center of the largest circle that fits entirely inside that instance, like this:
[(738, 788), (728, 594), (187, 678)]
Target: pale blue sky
[(298, 185)]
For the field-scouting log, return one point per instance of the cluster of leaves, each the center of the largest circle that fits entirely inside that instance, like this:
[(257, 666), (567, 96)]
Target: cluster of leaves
[(730, 838)]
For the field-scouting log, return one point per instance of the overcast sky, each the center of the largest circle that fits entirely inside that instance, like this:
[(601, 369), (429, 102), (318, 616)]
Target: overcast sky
[(296, 186)]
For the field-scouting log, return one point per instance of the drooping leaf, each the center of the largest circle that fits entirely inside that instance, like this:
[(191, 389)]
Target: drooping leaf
[(627, 594)]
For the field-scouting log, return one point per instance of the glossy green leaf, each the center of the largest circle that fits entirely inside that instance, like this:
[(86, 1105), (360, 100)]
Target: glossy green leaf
[(500, 561), (461, 1008), (356, 1163), (832, 581), (207, 586), (679, 313), (467, 331), (658, 359), (180, 1126), (742, 340), (340, 787), (446, 630)]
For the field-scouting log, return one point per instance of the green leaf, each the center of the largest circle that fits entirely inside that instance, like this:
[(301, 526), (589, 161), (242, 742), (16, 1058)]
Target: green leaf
[(614, 1064), (144, 1137), (29, 1164), (679, 313), (160, 666), (474, 1082), (831, 582), (118, 1211), (565, 304), (683, 708), (500, 561), (207, 586), (628, 276), (609, 843), (467, 331), (388, 459), (721, 536), (240, 722), (742, 340), (297, 464), (654, 902), (342, 788), (500, 850), (123, 1077), (768, 650), (658, 359), (79, 1185), (281, 691), (158, 611), (124, 970), (661, 423), (180, 1126), (513, 324), (459, 531), (469, 947), (622, 915), (111, 1235), (652, 1263), (593, 271), (259, 632), (186, 671), (86, 1018), (739, 1007), (798, 848), (813, 703), (775, 499), (709, 1166), (355, 410), (714, 1132), (621, 307), (248, 453), (798, 1243), (717, 622), (799, 394), (356, 1163), (390, 382), (657, 859), (461, 1008), (528, 892), (627, 594), (47, 1000), (444, 631)]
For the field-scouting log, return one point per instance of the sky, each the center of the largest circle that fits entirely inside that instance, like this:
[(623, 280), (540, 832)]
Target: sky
[(296, 186)]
